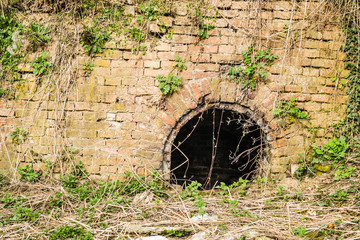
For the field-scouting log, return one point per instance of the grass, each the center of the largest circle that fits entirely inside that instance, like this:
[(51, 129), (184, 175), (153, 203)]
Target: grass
[(134, 207)]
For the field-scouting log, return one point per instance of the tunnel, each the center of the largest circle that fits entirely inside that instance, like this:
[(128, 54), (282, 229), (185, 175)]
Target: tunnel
[(216, 145)]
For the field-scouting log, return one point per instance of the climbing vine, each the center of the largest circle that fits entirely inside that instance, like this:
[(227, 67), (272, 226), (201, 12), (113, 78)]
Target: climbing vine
[(342, 151), (252, 69)]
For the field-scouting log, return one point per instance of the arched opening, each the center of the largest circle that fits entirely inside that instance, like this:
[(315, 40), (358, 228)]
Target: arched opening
[(217, 145)]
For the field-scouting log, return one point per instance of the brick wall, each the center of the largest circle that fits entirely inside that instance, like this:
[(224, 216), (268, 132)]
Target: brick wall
[(115, 118)]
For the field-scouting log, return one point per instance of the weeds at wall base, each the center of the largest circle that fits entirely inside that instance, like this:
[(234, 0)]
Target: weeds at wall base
[(88, 209)]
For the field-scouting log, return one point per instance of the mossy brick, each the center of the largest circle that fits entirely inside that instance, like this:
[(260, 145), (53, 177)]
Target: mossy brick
[(112, 54), (280, 161), (278, 169), (100, 62)]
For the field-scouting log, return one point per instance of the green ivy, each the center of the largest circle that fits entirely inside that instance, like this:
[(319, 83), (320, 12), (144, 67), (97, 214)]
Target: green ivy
[(288, 112), (38, 35), (10, 55), (254, 69), (71, 232), (333, 151), (93, 38), (27, 173), (41, 67), (168, 85)]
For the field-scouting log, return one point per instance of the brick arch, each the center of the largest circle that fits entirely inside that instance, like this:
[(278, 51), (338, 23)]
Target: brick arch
[(254, 115)]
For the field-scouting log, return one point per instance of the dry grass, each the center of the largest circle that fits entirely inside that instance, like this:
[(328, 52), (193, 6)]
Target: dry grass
[(266, 210)]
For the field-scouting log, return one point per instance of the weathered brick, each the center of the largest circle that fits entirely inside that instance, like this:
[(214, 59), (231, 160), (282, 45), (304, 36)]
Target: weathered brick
[(324, 63), (311, 106), (320, 98)]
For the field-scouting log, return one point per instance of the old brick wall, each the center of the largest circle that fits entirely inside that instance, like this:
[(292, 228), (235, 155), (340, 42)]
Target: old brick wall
[(115, 119)]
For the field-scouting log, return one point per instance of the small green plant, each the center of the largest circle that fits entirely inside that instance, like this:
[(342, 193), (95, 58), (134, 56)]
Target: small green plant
[(38, 35), (18, 136), (342, 173), (57, 200), (288, 112), (41, 67), (93, 38), (180, 63), (299, 231), (177, 233), (168, 85), (25, 214), (137, 34), (241, 186), (7, 200), (148, 10), (3, 180), (339, 195), (71, 232), (334, 151), (200, 18), (191, 191), (254, 67), (10, 55), (27, 173), (88, 67), (280, 190)]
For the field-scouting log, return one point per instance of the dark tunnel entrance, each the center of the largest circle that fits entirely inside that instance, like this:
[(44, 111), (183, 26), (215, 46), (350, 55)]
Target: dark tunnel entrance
[(216, 146)]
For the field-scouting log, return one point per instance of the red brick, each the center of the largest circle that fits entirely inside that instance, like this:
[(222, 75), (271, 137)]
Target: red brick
[(196, 91), (183, 39), (200, 75), (216, 40), (6, 112), (194, 49), (166, 118), (200, 58), (208, 67), (210, 49), (166, 55), (226, 49)]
